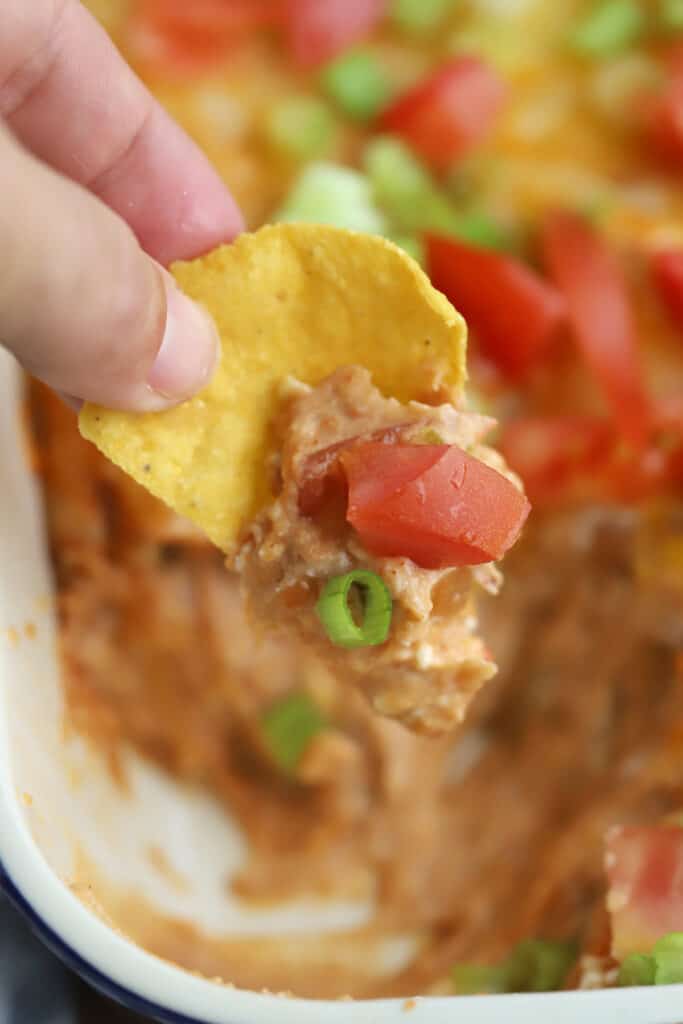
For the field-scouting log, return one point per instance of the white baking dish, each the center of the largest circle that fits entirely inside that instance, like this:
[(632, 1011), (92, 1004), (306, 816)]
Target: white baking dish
[(57, 802)]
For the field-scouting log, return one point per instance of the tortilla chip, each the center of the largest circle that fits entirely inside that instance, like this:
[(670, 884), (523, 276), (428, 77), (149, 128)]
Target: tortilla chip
[(293, 300)]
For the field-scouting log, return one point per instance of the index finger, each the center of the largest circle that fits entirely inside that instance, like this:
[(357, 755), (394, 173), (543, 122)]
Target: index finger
[(70, 97)]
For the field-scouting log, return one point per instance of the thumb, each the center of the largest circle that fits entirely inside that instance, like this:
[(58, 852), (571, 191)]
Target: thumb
[(81, 305)]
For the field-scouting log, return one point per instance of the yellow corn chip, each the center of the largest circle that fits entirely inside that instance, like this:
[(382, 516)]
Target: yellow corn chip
[(293, 300)]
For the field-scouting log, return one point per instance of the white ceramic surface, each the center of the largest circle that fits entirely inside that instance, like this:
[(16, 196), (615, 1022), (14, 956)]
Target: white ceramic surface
[(56, 798)]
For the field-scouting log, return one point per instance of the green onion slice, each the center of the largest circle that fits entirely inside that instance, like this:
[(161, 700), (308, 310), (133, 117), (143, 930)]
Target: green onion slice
[(478, 979), (539, 965), (289, 726), (413, 202), (480, 229), (667, 954), (637, 969), (668, 968), (663, 966), (400, 183), (534, 965), (325, 193), (357, 83), (671, 943), (440, 216), (610, 27), (335, 613), (302, 127)]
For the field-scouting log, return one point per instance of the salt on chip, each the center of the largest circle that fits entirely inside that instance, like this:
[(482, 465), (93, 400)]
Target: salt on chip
[(292, 300)]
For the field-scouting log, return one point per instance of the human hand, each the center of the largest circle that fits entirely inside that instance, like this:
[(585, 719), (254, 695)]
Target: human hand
[(94, 176)]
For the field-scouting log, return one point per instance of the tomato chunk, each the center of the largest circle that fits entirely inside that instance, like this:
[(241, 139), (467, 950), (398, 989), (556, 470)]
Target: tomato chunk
[(667, 274), (645, 873), (322, 477), (317, 30), (600, 315), (512, 310), (434, 504), (554, 454), (178, 36), (571, 456), (449, 113)]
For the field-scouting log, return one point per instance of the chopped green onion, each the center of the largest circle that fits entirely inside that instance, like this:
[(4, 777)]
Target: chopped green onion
[(667, 954), (478, 979), (671, 15), (535, 965), (668, 968), (539, 965), (302, 127), (399, 182), (478, 229), (326, 193), (289, 726), (612, 26), (436, 213), (404, 188), (471, 227), (416, 17), (335, 613), (358, 83), (637, 969), (411, 244), (664, 966), (671, 943)]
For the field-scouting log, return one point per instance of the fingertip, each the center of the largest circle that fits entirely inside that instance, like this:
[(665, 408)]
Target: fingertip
[(212, 218), (169, 193), (75, 404), (188, 354)]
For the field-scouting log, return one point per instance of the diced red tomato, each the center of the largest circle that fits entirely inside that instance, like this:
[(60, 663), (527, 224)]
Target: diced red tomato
[(322, 477), (554, 454), (512, 310), (644, 867), (317, 30), (187, 37), (600, 314), (571, 456), (667, 273), (434, 504), (449, 113)]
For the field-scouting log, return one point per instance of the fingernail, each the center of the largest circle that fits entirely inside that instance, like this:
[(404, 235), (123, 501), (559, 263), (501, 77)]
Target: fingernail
[(74, 403), (190, 348)]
